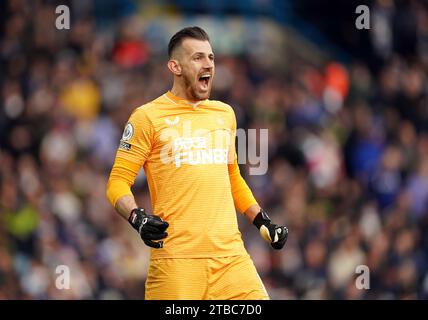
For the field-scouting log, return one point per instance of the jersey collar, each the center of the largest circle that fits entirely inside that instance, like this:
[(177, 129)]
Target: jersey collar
[(178, 100)]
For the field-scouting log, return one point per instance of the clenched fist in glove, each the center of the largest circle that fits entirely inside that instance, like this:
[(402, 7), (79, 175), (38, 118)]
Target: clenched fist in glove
[(150, 227), (272, 233)]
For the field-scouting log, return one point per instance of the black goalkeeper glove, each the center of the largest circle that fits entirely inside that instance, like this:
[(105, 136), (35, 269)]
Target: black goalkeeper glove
[(272, 233), (150, 227)]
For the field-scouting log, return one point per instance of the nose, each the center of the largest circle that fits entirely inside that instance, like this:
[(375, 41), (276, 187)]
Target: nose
[(208, 63)]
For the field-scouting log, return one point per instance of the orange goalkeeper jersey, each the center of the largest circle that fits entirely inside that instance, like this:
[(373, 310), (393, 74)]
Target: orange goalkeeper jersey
[(188, 155)]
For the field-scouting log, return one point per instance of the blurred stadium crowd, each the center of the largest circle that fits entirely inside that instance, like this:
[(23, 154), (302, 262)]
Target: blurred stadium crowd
[(348, 160)]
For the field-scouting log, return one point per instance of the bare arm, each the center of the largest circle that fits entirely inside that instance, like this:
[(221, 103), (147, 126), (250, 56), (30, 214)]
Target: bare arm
[(125, 205)]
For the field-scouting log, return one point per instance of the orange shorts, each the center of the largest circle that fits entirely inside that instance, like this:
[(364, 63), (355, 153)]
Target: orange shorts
[(225, 278)]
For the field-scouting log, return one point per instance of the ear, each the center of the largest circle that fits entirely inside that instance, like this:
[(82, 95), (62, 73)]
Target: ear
[(174, 67)]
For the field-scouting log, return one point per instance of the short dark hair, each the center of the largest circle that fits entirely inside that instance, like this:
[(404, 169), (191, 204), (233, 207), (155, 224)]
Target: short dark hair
[(189, 32)]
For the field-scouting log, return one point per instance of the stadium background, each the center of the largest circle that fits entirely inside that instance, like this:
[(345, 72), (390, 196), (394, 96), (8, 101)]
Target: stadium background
[(347, 114)]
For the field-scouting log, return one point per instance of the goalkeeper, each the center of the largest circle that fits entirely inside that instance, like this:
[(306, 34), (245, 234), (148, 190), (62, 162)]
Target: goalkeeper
[(186, 145)]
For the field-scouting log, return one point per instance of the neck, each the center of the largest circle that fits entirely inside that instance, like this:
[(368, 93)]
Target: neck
[(180, 91)]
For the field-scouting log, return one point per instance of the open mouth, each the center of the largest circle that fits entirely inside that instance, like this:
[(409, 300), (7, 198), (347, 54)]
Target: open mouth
[(204, 80)]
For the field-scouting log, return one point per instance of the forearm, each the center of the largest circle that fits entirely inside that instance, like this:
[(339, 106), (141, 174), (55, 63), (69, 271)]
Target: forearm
[(241, 193), (124, 205), (252, 212), (118, 189)]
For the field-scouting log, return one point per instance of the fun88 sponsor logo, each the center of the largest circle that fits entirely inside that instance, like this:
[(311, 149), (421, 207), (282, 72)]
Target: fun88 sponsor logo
[(193, 151), (186, 144)]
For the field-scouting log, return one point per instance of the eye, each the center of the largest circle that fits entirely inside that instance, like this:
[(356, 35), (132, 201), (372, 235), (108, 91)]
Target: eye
[(197, 58)]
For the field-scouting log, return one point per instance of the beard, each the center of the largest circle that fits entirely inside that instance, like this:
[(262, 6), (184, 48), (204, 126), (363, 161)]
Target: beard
[(192, 87)]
